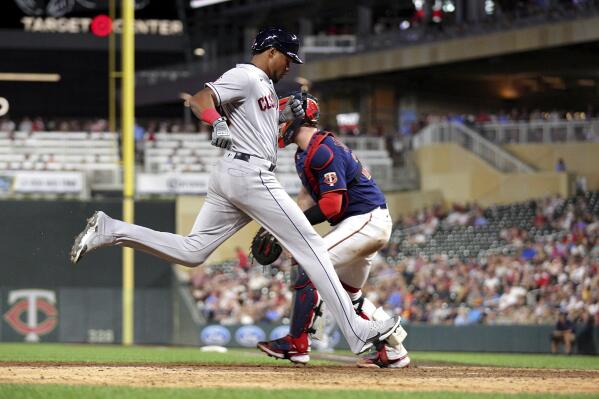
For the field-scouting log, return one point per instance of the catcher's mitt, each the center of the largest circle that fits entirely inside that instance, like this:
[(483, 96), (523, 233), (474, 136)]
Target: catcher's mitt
[(265, 247)]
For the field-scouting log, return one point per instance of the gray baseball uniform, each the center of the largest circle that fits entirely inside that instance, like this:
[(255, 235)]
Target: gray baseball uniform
[(244, 189)]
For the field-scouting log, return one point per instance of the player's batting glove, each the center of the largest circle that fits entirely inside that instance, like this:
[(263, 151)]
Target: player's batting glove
[(265, 247), (293, 109), (221, 136)]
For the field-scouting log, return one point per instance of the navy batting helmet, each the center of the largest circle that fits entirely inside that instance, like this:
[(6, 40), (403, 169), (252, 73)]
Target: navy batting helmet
[(285, 42)]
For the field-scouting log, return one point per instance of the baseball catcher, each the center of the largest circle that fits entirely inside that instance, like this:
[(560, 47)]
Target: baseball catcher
[(336, 188)]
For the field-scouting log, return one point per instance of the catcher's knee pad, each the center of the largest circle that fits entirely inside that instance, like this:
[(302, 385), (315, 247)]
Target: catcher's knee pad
[(366, 309), (306, 305), (300, 277)]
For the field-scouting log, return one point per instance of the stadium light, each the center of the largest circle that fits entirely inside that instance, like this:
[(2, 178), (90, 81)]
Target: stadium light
[(448, 6), (586, 82), (204, 3), (29, 77), (4, 106)]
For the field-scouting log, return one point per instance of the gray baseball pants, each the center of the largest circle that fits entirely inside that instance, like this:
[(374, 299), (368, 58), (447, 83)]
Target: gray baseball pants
[(238, 192)]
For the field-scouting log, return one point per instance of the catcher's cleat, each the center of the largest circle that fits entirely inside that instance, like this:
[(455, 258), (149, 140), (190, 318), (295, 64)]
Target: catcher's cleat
[(90, 238), (385, 356), (294, 349), (380, 331)]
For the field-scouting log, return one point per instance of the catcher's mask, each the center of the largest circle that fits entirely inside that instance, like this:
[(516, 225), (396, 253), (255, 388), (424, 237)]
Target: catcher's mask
[(312, 112)]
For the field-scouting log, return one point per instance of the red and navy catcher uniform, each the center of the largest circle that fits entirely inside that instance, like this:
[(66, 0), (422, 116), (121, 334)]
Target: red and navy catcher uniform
[(344, 193), (329, 170)]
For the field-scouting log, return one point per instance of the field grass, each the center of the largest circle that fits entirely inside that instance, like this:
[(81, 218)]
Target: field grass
[(511, 360), (109, 354), (88, 392), (518, 360), (81, 353)]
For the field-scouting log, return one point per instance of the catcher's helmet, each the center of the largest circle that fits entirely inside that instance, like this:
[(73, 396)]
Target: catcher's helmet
[(312, 112), (285, 42)]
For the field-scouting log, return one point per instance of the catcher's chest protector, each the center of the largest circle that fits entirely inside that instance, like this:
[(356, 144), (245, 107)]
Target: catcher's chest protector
[(315, 142)]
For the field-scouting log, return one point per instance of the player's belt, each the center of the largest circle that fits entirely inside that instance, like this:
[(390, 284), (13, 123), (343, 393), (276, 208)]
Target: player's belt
[(253, 159), (384, 206)]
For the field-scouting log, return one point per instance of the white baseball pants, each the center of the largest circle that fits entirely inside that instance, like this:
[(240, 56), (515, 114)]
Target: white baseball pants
[(353, 243)]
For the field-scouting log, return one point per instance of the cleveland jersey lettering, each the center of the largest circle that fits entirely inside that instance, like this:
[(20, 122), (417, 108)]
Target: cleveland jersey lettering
[(266, 103), (247, 98)]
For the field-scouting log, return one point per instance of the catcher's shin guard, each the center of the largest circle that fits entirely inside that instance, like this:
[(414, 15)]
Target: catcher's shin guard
[(306, 305), (366, 309), (306, 309)]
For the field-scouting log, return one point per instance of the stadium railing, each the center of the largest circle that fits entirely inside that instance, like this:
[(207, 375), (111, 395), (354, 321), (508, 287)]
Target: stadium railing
[(540, 131), (329, 44), (453, 132)]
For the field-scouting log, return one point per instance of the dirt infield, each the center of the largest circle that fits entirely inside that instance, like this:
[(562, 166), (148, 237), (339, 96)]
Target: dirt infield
[(420, 378)]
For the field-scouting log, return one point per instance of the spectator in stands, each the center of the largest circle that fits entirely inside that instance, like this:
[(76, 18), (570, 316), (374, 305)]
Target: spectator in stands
[(163, 127), (462, 316), (242, 258), (7, 125), (176, 128), (139, 132), (38, 125), (560, 166), (483, 117), (64, 126), (564, 333), (99, 125), (585, 340), (26, 125)]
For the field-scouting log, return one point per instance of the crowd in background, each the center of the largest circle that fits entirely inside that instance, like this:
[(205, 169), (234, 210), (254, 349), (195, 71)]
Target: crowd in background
[(539, 278), (544, 275), (38, 124), (178, 125), (500, 117), (437, 16), (149, 125), (239, 292), (432, 20)]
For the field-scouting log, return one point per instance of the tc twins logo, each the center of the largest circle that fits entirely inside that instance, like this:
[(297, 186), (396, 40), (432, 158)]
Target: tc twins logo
[(30, 303), (330, 178)]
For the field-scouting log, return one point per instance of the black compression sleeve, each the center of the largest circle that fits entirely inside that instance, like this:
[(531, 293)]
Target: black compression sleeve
[(315, 215)]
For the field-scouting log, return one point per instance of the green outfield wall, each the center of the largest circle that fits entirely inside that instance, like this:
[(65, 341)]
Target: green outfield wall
[(421, 337), (43, 297)]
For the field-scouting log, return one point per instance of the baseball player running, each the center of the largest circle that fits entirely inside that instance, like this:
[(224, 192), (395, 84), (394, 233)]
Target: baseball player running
[(337, 188), (243, 186)]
